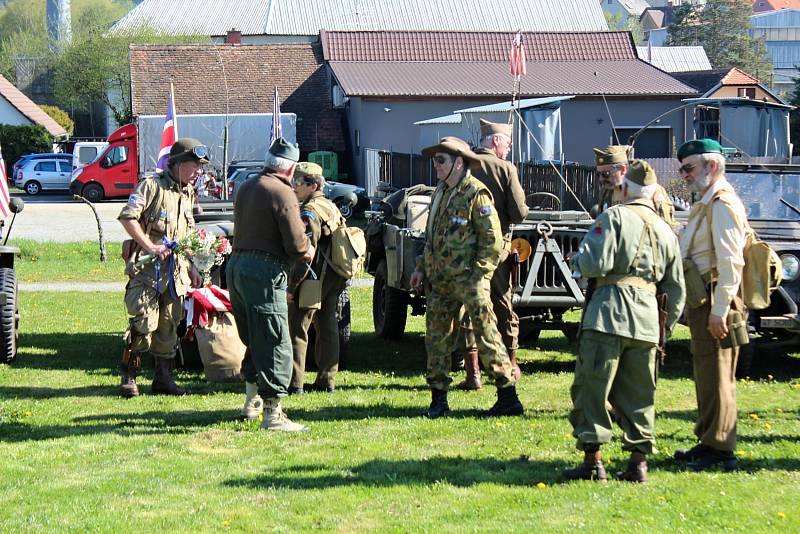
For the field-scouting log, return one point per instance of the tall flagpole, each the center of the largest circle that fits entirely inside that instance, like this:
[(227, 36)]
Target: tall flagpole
[(174, 110)]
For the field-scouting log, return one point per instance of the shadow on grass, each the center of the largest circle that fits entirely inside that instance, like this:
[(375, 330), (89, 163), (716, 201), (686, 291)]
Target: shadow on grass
[(403, 357), (89, 352)]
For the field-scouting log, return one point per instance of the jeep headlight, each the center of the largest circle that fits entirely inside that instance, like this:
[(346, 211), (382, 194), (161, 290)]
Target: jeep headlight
[(791, 267)]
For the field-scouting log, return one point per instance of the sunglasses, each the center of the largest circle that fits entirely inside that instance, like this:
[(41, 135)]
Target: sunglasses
[(687, 168), (606, 174), (440, 160)]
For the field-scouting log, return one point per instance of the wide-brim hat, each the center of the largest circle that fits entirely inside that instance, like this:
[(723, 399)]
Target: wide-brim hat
[(453, 146)]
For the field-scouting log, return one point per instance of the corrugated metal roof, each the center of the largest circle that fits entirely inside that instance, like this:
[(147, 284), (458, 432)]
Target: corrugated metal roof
[(308, 17), (474, 46), (29, 109), (785, 55), (676, 58), (634, 7), (784, 18), (447, 119), (549, 78), (521, 104)]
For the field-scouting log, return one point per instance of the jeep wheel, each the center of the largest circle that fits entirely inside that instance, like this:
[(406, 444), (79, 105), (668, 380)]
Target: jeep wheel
[(345, 207), (33, 188), (9, 316), (93, 192), (343, 317), (389, 306)]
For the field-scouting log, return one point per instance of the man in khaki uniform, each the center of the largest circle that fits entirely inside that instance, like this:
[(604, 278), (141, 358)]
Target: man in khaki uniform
[(712, 245), (500, 177), (321, 217), (612, 165), (159, 212), (631, 254)]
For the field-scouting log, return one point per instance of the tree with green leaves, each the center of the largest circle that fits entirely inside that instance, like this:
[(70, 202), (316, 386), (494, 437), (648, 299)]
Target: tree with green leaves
[(631, 24), (722, 28)]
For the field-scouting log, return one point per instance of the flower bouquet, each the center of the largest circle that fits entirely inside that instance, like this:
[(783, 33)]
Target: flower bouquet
[(203, 249)]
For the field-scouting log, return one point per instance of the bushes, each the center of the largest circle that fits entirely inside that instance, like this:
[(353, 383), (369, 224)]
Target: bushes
[(61, 117), (19, 140)]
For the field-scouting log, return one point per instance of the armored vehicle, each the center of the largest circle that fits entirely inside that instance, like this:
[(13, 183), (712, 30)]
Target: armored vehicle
[(544, 288)]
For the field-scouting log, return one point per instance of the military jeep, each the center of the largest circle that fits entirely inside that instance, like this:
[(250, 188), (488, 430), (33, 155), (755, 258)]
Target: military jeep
[(544, 288), (9, 294)]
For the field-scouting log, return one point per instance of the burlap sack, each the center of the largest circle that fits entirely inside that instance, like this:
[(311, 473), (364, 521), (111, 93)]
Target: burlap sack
[(220, 348)]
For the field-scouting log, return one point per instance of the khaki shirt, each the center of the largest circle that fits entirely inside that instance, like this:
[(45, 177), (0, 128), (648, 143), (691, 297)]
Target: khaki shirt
[(164, 209), (728, 232), (321, 217), (500, 177)]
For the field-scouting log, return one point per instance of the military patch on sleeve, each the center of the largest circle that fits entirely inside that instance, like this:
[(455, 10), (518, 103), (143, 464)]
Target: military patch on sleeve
[(598, 228), (136, 201), (485, 210), (308, 215)]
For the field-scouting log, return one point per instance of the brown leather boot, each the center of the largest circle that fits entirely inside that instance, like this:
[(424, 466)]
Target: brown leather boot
[(473, 368), (163, 383), (129, 369), (636, 470), (591, 469), (516, 372)]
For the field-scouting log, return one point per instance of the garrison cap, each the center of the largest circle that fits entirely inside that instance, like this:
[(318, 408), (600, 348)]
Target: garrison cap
[(491, 128), (453, 146), (188, 148), (640, 172), (281, 148), (611, 155), (306, 168), (699, 146)]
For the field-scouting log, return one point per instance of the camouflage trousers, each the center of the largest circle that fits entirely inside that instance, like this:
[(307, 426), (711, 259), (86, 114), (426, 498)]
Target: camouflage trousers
[(153, 321), (507, 319), (444, 301)]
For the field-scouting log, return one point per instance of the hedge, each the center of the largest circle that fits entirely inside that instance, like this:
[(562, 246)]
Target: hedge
[(17, 141)]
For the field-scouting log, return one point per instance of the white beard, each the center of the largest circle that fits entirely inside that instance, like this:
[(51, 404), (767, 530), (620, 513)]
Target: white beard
[(701, 183)]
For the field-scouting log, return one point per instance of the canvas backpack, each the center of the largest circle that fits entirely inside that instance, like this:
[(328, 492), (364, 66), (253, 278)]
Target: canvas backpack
[(348, 246)]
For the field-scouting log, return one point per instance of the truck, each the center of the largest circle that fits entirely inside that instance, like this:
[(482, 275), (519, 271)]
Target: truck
[(132, 150)]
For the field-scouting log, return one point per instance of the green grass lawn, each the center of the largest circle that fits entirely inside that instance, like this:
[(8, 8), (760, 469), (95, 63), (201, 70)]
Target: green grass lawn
[(75, 457), (68, 262)]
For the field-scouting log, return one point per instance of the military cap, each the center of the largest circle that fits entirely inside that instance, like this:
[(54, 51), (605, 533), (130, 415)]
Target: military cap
[(699, 146), (453, 146), (491, 128), (281, 148), (611, 155), (640, 172), (186, 149), (306, 168)]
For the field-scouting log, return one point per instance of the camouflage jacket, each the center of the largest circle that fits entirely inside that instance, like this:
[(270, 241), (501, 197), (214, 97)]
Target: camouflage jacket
[(463, 235)]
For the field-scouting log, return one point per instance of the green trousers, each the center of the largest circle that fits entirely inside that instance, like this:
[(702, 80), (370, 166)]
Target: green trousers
[(622, 371), (257, 285)]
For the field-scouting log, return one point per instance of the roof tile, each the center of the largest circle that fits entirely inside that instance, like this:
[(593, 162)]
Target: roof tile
[(27, 107)]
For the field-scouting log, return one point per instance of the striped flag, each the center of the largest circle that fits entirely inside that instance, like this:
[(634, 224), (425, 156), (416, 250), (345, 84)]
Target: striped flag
[(276, 131), (516, 63), (5, 211), (170, 133)]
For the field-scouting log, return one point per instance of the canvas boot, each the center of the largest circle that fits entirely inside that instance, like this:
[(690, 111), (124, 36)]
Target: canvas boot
[(590, 469), (507, 403), (163, 383), (637, 469), (439, 406), (129, 369), (253, 404), (516, 372), (473, 369), (275, 419)]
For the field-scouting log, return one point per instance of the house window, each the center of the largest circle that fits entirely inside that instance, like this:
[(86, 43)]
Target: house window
[(747, 92)]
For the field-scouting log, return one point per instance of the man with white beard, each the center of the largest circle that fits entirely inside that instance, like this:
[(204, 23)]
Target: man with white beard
[(712, 246)]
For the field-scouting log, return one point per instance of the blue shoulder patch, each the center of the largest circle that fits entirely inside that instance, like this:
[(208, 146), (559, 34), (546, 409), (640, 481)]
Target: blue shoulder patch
[(485, 210), (308, 215)]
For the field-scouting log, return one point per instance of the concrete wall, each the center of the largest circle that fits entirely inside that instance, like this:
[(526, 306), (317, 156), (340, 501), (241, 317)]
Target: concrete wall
[(10, 115)]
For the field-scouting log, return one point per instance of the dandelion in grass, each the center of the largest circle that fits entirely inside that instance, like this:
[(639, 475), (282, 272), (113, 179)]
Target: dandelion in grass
[(541, 485), (781, 515), (754, 416)]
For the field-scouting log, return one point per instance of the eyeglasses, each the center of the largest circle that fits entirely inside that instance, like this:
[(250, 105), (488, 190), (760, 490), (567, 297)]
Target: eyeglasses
[(200, 151), (606, 174), (687, 168), (440, 160)]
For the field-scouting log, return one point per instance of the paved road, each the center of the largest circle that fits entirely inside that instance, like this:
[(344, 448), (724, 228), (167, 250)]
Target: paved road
[(54, 217)]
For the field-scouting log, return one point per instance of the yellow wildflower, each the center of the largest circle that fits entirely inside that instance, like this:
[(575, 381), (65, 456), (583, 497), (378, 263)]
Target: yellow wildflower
[(754, 416), (541, 485), (781, 515)]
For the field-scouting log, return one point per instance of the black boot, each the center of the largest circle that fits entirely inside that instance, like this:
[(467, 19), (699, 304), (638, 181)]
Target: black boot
[(507, 403), (439, 406), (129, 369), (163, 383)]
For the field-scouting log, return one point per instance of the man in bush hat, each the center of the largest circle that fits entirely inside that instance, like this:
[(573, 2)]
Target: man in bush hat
[(632, 254), (159, 212), (500, 177), (462, 248), (712, 245), (612, 165), (321, 217), (270, 238)]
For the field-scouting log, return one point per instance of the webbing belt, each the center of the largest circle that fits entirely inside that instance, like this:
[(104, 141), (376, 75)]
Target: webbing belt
[(627, 280)]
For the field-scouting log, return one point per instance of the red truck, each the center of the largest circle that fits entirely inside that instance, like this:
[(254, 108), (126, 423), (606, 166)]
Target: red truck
[(114, 173)]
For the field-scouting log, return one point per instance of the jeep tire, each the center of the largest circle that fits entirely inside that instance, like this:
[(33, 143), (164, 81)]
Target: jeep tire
[(9, 316), (389, 306)]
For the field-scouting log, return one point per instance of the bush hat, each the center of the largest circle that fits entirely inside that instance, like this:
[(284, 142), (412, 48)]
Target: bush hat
[(699, 146), (640, 172), (281, 148), (453, 146)]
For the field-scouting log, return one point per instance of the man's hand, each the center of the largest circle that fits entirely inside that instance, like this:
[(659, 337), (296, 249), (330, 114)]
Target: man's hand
[(309, 255), (159, 250), (416, 280), (194, 275), (717, 326), (289, 297)]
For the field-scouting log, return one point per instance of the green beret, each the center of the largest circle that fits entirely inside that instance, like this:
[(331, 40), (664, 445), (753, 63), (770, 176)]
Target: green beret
[(281, 148), (611, 155), (306, 168), (640, 172), (699, 146)]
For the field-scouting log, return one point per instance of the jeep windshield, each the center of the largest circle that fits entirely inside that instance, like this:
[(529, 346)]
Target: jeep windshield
[(761, 191)]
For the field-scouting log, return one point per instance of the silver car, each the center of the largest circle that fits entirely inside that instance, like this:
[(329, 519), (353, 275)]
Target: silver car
[(46, 174)]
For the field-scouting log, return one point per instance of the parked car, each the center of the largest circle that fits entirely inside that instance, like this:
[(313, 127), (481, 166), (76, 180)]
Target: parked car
[(25, 159), (239, 176), (350, 199), (45, 174), (86, 152)]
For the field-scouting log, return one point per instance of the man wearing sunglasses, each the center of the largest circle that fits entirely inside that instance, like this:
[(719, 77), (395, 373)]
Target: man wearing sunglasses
[(500, 177), (159, 212), (463, 241)]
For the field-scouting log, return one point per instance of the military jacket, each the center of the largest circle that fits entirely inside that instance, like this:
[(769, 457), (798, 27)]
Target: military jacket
[(500, 177), (164, 210), (663, 204), (321, 217), (619, 244), (463, 237)]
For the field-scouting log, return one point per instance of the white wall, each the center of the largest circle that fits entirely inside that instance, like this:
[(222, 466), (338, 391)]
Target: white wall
[(10, 115)]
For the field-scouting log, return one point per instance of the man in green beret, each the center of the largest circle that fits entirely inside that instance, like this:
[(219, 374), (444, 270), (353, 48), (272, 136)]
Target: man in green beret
[(321, 218), (159, 212), (712, 245), (270, 238), (631, 254), (463, 241)]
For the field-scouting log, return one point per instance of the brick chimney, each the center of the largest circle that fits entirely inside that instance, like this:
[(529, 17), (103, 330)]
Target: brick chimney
[(234, 36)]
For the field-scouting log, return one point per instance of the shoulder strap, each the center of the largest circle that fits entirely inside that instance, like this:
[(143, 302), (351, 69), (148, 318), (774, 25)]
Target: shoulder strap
[(648, 217)]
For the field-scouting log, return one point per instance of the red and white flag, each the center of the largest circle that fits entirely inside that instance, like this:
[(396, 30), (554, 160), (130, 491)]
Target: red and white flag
[(516, 62), (5, 211), (202, 302), (170, 133)]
